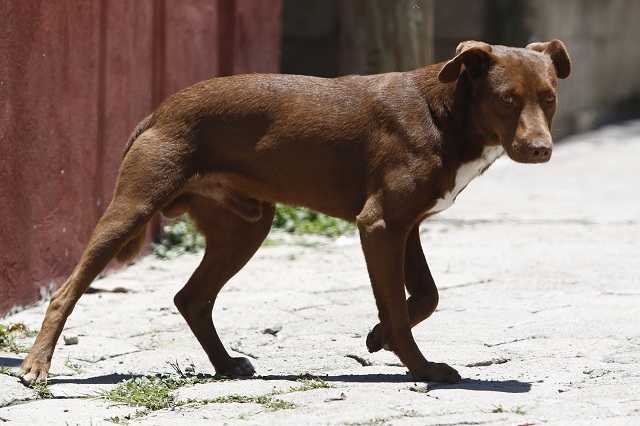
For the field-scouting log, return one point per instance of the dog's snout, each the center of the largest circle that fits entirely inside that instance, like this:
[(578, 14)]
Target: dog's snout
[(540, 150)]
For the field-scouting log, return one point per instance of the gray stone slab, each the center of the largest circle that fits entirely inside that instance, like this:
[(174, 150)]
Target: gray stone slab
[(539, 307)]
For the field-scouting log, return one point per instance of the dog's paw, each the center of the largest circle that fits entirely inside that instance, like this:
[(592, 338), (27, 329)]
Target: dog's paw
[(239, 367), (33, 371), (374, 340), (437, 372)]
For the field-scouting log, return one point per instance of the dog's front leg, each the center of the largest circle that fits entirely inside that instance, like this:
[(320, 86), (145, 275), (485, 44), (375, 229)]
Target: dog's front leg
[(418, 280), (420, 284), (384, 245)]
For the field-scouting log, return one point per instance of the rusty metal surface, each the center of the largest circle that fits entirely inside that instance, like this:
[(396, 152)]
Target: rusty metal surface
[(75, 79)]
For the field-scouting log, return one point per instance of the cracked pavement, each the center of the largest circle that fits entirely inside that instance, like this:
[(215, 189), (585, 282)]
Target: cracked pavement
[(539, 307)]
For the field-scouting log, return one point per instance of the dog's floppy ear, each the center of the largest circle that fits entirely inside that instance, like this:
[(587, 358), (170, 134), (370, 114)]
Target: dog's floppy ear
[(559, 56), (474, 55)]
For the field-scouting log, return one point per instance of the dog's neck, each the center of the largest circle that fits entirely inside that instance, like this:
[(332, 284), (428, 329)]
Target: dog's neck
[(463, 149), (450, 106), (465, 173), (439, 97)]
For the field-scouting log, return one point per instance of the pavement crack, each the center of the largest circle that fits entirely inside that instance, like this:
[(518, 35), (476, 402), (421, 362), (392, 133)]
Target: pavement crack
[(551, 308), (618, 293), (237, 347), (342, 397), (362, 361), (491, 345), (106, 357), (17, 402), (488, 280), (486, 363)]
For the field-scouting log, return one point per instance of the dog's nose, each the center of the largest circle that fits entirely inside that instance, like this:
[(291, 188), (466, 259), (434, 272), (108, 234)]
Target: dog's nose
[(540, 150)]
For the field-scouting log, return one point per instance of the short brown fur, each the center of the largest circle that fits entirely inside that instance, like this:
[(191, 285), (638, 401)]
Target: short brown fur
[(385, 151)]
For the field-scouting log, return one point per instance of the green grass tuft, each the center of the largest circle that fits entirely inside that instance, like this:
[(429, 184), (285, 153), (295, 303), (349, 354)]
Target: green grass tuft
[(157, 392), (267, 401), (302, 221), (8, 337), (310, 384), (516, 410), (181, 235), (153, 393), (42, 390)]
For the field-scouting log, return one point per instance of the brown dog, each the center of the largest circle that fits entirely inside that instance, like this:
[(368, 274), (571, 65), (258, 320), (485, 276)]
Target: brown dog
[(385, 151)]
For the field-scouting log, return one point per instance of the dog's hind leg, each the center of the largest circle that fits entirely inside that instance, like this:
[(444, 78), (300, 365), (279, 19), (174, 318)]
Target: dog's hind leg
[(231, 241), (142, 189), (423, 294)]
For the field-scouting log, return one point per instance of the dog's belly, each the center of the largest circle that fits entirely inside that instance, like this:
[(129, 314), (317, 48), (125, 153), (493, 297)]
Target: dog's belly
[(228, 192), (465, 174)]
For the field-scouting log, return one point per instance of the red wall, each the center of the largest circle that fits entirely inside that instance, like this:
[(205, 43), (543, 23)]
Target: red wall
[(75, 79)]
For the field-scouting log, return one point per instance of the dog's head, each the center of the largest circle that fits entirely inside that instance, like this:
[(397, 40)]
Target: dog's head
[(513, 93)]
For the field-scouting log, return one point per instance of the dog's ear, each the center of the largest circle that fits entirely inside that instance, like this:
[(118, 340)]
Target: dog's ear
[(474, 55), (559, 56)]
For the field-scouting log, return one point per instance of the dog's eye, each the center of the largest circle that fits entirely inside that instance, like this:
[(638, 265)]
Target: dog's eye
[(507, 99), (551, 98)]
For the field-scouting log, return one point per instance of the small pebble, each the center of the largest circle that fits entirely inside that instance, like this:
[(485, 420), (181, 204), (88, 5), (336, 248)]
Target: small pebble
[(272, 330), (70, 339)]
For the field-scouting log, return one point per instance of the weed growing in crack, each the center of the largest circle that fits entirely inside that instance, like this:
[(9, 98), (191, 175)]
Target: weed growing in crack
[(267, 401), (516, 410), (72, 365), (519, 410), (8, 337), (310, 384), (42, 390), (128, 417), (595, 375), (153, 392)]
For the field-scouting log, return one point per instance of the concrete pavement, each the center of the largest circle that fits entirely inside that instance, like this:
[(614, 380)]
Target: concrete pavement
[(539, 307)]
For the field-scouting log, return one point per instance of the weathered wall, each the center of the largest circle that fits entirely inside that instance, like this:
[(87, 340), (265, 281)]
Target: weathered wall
[(336, 37), (75, 79), (601, 38), (384, 36), (310, 37)]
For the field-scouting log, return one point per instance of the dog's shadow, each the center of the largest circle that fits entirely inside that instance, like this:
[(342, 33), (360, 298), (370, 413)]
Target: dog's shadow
[(10, 362), (507, 386)]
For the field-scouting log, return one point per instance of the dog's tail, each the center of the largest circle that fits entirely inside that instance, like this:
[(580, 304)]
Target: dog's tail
[(140, 129), (132, 248)]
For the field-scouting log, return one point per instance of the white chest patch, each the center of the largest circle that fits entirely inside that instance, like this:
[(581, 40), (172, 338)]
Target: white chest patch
[(465, 174)]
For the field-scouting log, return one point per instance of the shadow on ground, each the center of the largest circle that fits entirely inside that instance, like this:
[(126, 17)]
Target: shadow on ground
[(506, 386), (10, 362)]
